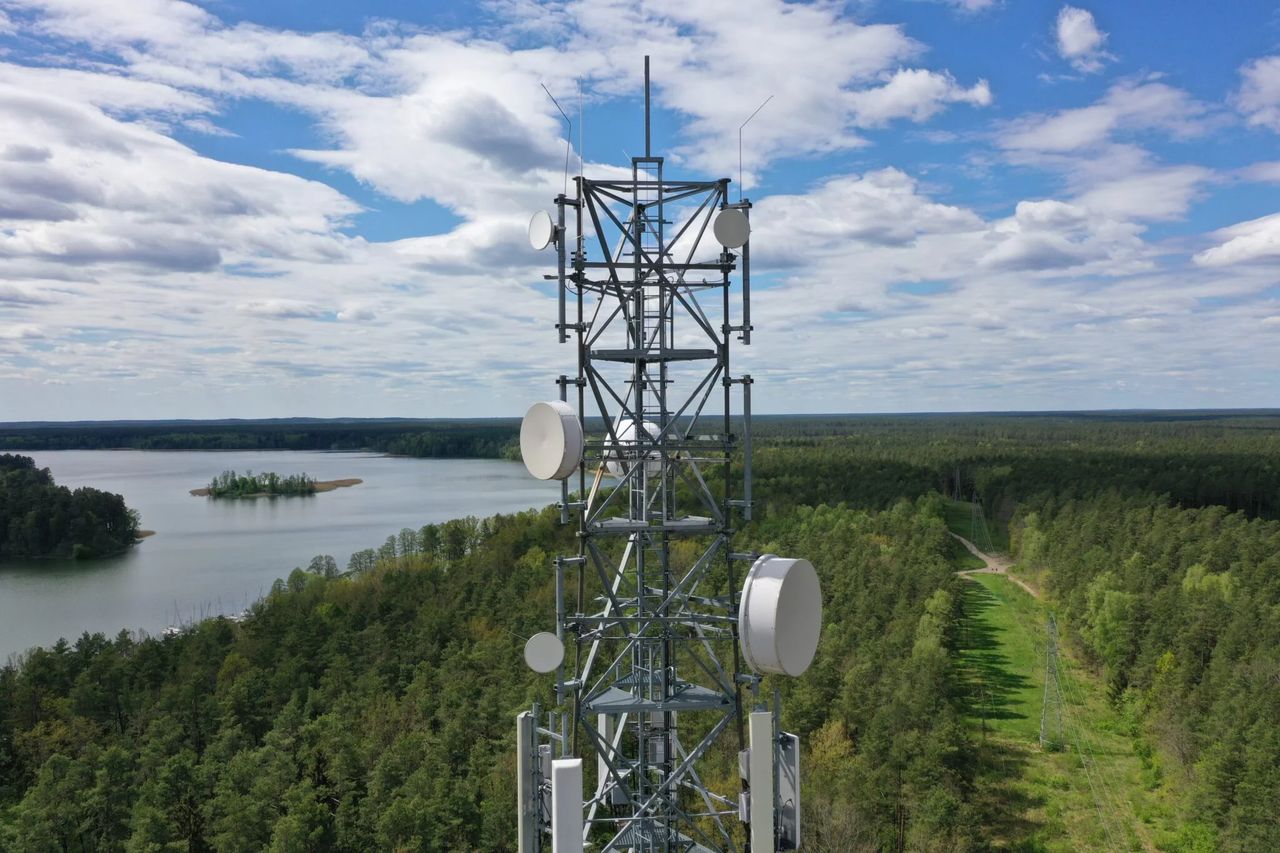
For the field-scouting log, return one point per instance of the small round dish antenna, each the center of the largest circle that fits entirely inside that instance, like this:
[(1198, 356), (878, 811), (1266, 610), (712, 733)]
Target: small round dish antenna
[(541, 230), (732, 228), (780, 615), (551, 440), (618, 462), (543, 652)]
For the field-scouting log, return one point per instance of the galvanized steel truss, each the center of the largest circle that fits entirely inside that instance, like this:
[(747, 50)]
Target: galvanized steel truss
[(651, 304)]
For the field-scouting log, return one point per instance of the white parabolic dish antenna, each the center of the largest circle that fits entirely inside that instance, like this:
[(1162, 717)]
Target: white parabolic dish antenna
[(541, 230), (617, 464), (551, 440), (780, 615), (732, 228), (543, 652)]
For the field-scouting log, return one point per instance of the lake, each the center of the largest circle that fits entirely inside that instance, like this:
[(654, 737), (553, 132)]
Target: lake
[(217, 556)]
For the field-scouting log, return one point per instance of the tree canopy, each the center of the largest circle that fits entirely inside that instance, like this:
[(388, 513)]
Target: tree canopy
[(39, 518)]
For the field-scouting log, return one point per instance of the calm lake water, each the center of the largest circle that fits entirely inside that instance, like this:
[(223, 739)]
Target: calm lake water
[(217, 556)]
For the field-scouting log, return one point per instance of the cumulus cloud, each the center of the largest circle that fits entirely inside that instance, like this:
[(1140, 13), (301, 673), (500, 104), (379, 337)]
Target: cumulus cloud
[(100, 190), (1259, 94), (1080, 41), (880, 208), (121, 245), (915, 94), (1257, 239), (1054, 235)]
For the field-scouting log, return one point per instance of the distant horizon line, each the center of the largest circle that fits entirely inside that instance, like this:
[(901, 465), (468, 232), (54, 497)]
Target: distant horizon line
[(37, 424)]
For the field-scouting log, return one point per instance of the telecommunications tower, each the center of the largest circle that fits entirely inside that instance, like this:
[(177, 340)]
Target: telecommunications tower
[(660, 644)]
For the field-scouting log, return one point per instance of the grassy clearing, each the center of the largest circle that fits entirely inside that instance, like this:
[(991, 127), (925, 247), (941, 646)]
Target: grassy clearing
[(984, 532), (1090, 796)]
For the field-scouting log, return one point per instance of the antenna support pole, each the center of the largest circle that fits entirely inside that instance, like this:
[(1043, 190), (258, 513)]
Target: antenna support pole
[(647, 151)]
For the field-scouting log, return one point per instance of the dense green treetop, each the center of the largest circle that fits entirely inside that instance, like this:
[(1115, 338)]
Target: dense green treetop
[(229, 484), (41, 519)]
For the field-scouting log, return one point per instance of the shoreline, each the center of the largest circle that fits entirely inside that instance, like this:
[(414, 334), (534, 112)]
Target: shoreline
[(321, 486)]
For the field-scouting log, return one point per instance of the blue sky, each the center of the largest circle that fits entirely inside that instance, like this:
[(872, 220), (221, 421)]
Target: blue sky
[(274, 209)]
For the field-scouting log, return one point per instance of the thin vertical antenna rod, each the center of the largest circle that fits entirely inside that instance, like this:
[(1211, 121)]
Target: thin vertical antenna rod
[(568, 137), (740, 127), (647, 152)]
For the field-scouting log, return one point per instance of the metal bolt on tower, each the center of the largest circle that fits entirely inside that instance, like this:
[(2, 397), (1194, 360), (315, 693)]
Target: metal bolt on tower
[(648, 671)]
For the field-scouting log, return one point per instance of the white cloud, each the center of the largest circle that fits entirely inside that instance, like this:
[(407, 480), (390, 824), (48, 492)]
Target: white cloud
[(1128, 107), (284, 309), (972, 5), (1080, 41), (146, 265), (923, 332), (21, 331), (1257, 239), (914, 94), (1266, 172), (1259, 95), (1054, 235), (109, 90), (884, 208), (17, 294), (1104, 171), (473, 107), (105, 191), (1152, 193)]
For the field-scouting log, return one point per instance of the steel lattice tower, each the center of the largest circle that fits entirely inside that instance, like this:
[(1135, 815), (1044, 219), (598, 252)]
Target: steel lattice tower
[(1051, 705), (652, 677)]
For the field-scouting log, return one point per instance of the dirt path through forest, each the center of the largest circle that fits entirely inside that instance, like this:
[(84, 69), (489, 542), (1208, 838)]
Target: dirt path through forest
[(995, 566)]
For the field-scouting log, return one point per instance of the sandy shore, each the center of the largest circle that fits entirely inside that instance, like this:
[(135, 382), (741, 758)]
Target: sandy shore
[(143, 534), (321, 486)]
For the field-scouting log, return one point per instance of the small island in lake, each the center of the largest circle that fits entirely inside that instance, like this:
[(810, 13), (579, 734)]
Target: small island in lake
[(229, 484)]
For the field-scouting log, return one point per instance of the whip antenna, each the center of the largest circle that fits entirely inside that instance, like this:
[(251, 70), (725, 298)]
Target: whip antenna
[(568, 137), (740, 127)]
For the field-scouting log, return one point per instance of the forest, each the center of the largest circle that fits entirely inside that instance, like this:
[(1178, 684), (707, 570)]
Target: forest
[(39, 518), (229, 484), (492, 438), (372, 708)]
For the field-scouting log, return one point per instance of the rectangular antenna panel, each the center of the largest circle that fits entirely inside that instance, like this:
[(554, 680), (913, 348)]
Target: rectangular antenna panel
[(566, 805), (527, 795), (760, 727)]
